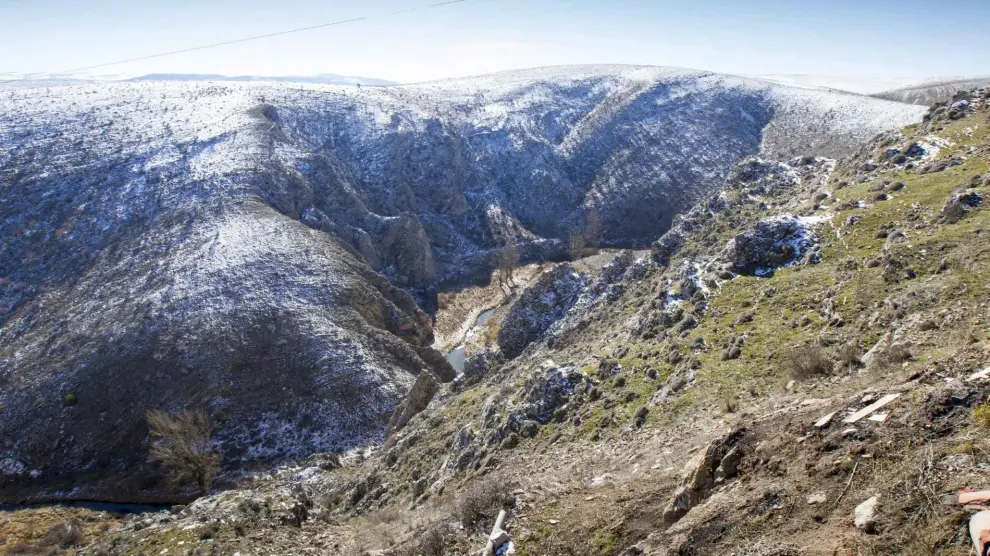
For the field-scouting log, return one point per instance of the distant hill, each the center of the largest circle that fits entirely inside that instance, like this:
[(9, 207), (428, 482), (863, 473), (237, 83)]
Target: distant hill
[(323, 78), (36, 80), (932, 92)]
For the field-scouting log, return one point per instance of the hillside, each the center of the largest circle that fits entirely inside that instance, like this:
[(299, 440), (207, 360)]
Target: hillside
[(805, 345), (169, 245)]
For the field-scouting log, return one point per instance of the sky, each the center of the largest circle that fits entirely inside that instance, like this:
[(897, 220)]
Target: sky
[(875, 38)]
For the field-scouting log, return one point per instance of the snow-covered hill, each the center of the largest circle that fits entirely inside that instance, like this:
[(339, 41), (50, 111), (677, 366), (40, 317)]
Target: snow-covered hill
[(850, 83), (172, 244)]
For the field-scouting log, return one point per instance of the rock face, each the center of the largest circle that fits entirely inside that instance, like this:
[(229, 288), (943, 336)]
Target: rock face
[(422, 391), (139, 280), (540, 306)]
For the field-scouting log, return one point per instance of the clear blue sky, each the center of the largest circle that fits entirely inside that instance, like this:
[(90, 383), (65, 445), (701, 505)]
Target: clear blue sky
[(879, 38)]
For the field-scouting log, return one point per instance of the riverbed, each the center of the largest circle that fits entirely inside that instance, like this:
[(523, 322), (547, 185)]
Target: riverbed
[(458, 356)]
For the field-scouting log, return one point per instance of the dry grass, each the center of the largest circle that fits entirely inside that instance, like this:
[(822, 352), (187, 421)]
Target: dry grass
[(484, 501), (849, 355), (808, 361), (433, 540), (730, 403)]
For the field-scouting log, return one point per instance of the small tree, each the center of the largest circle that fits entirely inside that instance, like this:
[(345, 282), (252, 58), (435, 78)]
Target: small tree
[(575, 245), (183, 443), (594, 229)]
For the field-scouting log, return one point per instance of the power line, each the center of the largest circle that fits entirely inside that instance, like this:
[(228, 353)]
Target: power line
[(258, 37)]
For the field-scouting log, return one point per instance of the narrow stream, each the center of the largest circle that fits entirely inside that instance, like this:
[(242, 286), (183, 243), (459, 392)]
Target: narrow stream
[(457, 356)]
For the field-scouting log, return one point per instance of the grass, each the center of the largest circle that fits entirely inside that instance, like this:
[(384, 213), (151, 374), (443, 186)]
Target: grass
[(981, 415), (859, 292)]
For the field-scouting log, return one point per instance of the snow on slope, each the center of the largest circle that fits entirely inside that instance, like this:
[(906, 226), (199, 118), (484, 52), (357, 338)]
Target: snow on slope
[(854, 84), (182, 244)]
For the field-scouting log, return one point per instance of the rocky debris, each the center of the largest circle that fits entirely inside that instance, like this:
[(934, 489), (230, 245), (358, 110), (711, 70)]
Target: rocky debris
[(772, 244), (762, 177), (539, 307), (865, 514), (893, 269), (549, 388), (420, 395), (719, 460), (608, 284), (940, 165), (959, 205)]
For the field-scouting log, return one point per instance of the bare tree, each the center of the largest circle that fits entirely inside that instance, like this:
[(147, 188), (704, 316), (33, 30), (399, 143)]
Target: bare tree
[(508, 260), (183, 443), (575, 245), (594, 229)]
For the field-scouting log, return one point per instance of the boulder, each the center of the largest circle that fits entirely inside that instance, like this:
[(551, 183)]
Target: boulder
[(423, 390), (550, 387), (701, 473), (864, 516), (771, 244), (666, 247)]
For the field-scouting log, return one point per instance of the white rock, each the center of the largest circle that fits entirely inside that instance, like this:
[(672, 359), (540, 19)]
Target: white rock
[(865, 514)]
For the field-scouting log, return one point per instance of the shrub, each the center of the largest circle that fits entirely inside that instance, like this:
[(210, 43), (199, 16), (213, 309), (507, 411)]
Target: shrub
[(484, 501), (69, 399), (981, 415), (63, 535), (892, 354), (807, 361), (431, 541), (849, 355), (183, 444), (208, 531), (639, 419)]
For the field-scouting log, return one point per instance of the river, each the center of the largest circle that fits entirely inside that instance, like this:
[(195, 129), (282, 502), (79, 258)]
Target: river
[(458, 355)]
